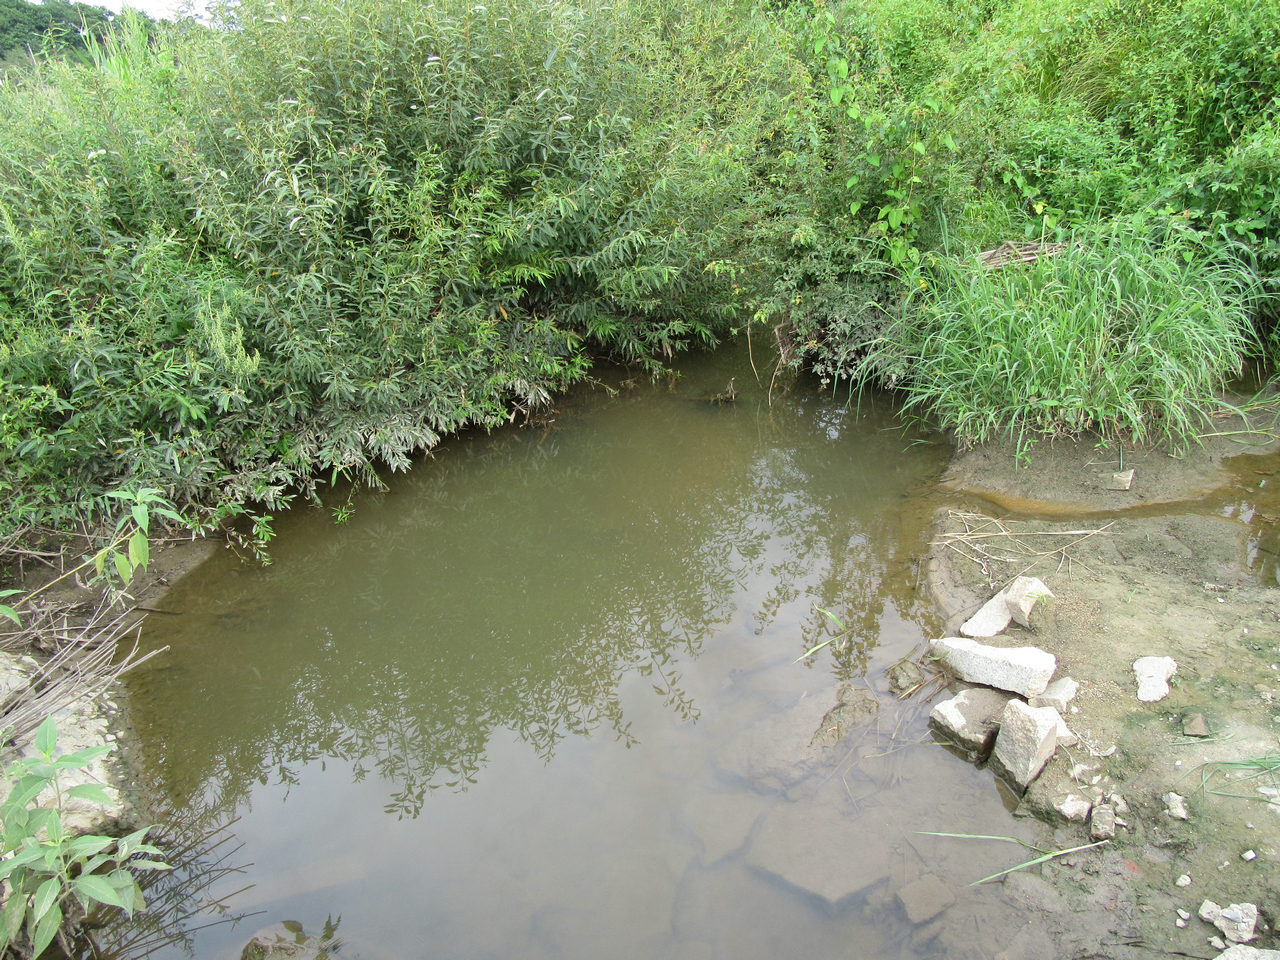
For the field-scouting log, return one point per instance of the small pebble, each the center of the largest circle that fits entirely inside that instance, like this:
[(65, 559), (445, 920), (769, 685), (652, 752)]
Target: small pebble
[(1248, 855), (1180, 923), (1217, 943), (1250, 826), (1183, 881), (1177, 763), (1183, 914), (1075, 709)]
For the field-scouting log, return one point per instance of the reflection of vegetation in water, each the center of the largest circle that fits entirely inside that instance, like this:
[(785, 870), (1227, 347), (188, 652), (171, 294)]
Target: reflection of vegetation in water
[(198, 843), (513, 583)]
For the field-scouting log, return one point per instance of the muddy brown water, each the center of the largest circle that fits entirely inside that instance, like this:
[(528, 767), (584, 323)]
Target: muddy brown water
[(500, 711)]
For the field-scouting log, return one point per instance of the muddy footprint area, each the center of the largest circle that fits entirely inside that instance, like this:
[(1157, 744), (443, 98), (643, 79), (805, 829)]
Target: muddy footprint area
[(1177, 567)]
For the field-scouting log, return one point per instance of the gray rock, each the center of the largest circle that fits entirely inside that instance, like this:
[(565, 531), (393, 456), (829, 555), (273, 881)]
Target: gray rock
[(925, 898), (1102, 823), (777, 753), (1176, 806), (991, 619), (1028, 737), (1120, 481), (1236, 921), (1065, 737), (971, 718), (1024, 670), (1153, 675), (1058, 695), (820, 851)]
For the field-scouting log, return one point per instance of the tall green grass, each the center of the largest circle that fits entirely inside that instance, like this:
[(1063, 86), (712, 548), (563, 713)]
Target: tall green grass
[(1122, 333)]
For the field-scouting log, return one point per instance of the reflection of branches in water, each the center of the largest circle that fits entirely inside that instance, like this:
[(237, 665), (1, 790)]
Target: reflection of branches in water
[(506, 586), (200, 846)]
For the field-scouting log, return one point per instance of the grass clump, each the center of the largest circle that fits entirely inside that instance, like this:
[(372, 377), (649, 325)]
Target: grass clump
[(1122, 333)]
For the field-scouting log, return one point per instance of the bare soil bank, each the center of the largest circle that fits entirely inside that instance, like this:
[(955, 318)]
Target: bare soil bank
[(1183, 565)]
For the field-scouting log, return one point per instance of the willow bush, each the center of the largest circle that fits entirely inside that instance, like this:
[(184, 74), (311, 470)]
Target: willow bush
[(312, 239)]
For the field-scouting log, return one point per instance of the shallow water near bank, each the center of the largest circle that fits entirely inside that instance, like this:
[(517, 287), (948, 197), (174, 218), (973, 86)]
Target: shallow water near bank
[(512, 706)]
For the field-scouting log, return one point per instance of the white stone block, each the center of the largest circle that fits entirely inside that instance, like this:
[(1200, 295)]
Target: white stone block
[(1028, 738), (1023, 670)]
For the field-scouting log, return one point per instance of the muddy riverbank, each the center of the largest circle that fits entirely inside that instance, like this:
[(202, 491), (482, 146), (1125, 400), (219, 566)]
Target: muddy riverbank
[(1179, 565)]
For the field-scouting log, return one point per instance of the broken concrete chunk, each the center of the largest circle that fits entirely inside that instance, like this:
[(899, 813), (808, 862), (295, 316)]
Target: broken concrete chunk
[(971, 718), (925, 898), (992, 619), (1024, 670), (1023, 595), (1014, 602), (1236, 921), (1057, 695), (1120, 481), (1102, 823), (1176, 806), (1065, 737), (820, 851), (1153, 675), (1183, 881), (1028, 737), (1074, 809), (1240, 952)]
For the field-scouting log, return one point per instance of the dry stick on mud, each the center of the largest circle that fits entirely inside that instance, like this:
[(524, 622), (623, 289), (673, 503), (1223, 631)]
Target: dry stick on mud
[(977, 532)]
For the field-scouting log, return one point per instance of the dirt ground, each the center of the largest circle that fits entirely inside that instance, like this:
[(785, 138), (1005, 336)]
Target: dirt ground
[(1182, 565)]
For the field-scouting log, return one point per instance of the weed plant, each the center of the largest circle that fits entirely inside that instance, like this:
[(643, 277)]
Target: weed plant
[(1123, 332)]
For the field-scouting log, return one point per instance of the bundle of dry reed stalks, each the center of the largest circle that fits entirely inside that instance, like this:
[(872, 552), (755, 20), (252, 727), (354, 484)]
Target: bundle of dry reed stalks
[(82, 643), (1010, 252)]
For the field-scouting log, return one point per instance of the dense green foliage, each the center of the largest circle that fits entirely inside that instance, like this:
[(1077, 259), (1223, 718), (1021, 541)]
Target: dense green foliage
[(311, 239)]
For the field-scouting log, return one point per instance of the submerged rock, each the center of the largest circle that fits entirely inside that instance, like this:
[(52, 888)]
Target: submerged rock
[(1028, 738), (904, 677), (971, 718), (820, 851), (1024, 670), (1153, 675), (777, 753), (723, 821), (925, 898), (854, 704)]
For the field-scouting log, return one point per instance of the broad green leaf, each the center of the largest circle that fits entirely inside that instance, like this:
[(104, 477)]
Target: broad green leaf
[(9, 593), (47, 737), (123, 567), (140, 517), (149, 865), (46, 930), (139, 549), (96, 888), (10, 613), (837, 94), (29, 855), (46, 896), (131, 843), (100, 560), (88, 791), (15, 911), (81, 758)]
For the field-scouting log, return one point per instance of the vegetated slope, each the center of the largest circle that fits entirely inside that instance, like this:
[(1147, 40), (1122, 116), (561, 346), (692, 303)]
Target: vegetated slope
[(309, 239)]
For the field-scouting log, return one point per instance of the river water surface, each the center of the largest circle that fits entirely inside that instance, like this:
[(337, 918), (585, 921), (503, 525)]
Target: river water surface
[(509, 708)]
